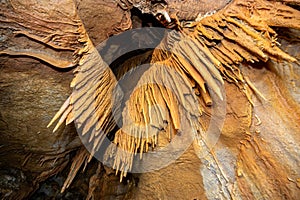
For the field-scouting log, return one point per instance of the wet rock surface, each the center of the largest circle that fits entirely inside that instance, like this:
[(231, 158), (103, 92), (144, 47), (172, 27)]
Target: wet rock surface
[(29, 91)]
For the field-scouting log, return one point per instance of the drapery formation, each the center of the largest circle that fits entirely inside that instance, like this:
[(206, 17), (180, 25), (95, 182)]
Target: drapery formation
[(200, 56), (203, 56)]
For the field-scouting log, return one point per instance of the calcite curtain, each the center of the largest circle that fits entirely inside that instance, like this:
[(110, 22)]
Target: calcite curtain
[(58, 90)]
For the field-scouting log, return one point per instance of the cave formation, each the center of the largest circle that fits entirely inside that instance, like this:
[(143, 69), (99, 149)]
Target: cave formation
[(58, 88)]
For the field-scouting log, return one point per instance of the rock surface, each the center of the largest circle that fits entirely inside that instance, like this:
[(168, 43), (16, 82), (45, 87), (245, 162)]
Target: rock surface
[(256, 156)]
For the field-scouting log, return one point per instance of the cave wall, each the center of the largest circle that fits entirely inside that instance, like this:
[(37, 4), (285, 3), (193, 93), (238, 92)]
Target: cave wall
[(32, 91), (252, 159)]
